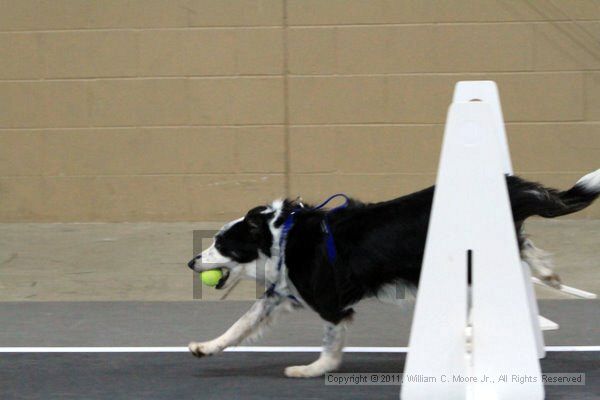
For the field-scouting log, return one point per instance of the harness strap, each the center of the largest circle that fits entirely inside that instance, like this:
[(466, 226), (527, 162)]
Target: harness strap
[(323, 204), (271, 291), (329, 241), (287, 225)]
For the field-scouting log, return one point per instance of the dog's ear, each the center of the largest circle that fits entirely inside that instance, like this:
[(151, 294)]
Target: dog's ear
[(257, 219)]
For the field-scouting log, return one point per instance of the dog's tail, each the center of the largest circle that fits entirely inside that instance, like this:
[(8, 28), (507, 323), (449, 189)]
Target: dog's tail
[(528, 198)]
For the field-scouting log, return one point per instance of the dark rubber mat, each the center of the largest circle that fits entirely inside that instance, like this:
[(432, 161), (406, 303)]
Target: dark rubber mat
[(226, 376)]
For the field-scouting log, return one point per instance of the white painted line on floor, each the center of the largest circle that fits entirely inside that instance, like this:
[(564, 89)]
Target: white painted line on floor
[(572, 348), (93, 349), (239, 349)]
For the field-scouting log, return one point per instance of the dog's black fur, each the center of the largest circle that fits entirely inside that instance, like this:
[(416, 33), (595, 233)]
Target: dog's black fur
[(379, 248), (376, 243)]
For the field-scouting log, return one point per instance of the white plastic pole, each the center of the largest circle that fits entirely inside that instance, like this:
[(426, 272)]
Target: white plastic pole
[(471, 211), (583, 294), (487, 92)]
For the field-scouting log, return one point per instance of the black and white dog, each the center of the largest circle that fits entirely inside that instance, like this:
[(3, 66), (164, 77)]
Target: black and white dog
[(376, 247)]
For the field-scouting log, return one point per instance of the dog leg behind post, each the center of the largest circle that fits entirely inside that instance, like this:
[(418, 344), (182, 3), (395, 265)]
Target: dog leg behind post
[(540, 263), (331, 356), (249, 324)]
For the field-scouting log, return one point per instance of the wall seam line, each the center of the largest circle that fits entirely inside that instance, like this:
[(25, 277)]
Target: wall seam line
[(286, 104)]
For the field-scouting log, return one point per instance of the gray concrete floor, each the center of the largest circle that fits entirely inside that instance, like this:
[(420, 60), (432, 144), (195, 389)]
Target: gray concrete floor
[(146, 261), (134, 323)]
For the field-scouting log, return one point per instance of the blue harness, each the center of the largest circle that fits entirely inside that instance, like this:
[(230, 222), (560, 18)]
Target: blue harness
[(329, 241)]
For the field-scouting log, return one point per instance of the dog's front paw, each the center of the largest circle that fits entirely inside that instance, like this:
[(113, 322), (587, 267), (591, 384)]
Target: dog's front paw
[(203, 349), (303, 371)]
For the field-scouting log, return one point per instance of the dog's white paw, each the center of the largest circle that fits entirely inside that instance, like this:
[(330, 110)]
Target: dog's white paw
[(203, 349), (552, 280), (303, 371)]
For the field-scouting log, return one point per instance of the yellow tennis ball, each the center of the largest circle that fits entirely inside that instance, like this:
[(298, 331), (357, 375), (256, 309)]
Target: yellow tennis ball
[(211, 277)]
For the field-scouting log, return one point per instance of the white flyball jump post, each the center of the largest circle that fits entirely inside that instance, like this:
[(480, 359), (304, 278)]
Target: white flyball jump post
[(471, 224)]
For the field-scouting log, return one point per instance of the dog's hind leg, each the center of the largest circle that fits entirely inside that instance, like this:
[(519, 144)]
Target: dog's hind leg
[(331, 355), (249, 324), (540, 263)]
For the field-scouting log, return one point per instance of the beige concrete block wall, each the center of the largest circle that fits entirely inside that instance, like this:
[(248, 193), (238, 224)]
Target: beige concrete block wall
[(187, 110)]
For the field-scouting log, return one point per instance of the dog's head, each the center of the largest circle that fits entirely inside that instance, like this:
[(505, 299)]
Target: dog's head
[(242, 247)]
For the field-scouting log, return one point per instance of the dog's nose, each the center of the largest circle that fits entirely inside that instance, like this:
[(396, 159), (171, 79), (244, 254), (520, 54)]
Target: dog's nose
[(192, 263)]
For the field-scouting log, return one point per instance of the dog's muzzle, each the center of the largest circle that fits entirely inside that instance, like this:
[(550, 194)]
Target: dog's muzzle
[(192, 262), (225, 271)]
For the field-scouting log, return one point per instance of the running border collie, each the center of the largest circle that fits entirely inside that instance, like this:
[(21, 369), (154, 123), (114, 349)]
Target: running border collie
[(376, 247)]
